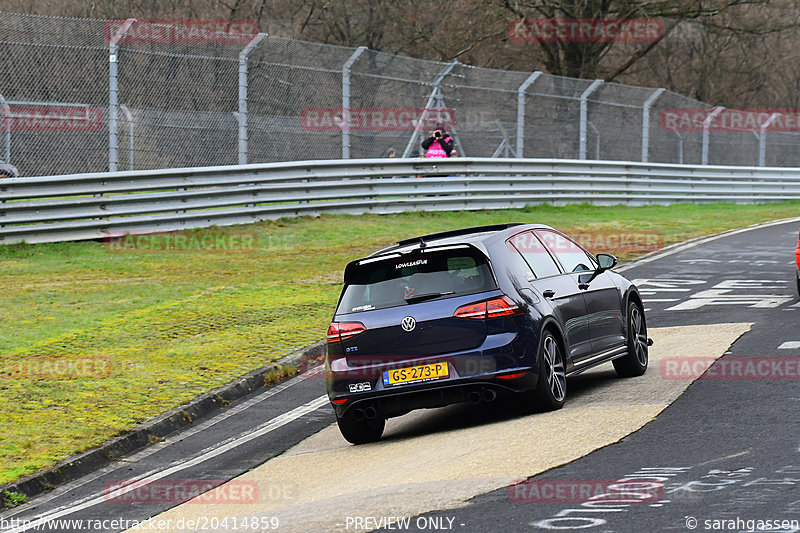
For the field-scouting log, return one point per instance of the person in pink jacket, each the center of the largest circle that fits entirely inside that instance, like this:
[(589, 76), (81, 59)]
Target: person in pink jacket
[(440, 144)]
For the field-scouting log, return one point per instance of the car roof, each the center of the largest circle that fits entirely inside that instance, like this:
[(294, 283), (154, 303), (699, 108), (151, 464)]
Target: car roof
[(479, 236)]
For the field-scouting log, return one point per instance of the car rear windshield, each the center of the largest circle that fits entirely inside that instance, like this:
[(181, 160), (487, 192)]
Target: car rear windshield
[(416, 278)]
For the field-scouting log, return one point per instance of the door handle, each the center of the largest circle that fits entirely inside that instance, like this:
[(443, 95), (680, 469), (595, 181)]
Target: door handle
[(548, 293)]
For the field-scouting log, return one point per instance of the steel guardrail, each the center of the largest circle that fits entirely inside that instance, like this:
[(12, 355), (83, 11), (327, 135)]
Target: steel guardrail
[(99, 205)]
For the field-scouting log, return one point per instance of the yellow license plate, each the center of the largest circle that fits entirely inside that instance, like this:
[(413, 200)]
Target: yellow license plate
[(415, 374)]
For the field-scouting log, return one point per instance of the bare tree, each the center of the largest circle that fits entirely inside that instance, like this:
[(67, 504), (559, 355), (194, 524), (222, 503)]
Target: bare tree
[(731, 51), (591, 59)]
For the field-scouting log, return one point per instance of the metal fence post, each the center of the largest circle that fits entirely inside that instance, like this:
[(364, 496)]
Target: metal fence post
[(584, 113), (706, 124), (5, 123), (242, 116), (346, 101), (433, 97), (646, 122), (113, 109), (762, 138), (521, 110)]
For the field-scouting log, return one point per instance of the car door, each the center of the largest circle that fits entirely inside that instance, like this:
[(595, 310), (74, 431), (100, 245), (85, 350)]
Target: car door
[(561, 290), (603, 307)]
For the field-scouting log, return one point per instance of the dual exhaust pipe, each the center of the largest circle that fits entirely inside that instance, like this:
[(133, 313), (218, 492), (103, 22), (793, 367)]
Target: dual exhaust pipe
[(483, 395), (367, 413), (475, 396)]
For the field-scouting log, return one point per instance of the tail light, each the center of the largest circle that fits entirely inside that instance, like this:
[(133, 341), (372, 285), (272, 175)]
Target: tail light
[(340, 331), (513, 375), (502, 306)]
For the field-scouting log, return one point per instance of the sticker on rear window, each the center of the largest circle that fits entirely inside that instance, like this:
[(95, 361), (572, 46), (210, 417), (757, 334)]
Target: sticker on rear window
[(412, 263)]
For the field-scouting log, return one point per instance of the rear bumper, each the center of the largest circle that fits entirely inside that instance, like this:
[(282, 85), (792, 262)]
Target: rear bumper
[(470, 371), (402, 399)]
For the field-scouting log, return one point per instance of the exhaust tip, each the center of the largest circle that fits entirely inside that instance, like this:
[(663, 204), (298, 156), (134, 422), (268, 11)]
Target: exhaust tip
[(489, 395), (475, 397)]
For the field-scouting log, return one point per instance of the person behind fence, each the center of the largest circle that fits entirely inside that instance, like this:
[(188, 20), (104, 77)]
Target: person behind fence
[(440, 144)]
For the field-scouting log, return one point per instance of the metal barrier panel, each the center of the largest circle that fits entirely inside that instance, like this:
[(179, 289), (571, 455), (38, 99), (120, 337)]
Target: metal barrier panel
[(98, 205)]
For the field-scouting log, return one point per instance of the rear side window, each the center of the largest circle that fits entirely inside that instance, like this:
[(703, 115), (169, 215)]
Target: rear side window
[(420, 277), (535, 255), (571, 256)]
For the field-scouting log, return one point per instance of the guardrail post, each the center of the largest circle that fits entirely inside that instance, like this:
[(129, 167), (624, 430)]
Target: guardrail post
[(242, 116), (433, 97), (113, 109), (5, 124), (346, 101), (706, 124), (646, 122), (521, 110), (762, 138), (584, 113)]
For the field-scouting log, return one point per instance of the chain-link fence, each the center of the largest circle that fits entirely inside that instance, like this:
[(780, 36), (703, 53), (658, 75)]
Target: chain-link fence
[(80, 95)]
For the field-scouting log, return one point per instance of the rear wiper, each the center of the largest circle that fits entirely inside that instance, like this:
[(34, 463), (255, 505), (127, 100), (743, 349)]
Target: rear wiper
[(423, 297)]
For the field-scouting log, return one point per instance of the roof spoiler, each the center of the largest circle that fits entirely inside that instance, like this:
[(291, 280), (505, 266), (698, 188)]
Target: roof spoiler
[(455, 233)]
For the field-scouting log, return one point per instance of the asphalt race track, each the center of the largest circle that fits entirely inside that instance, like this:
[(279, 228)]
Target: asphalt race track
[(666, 451)]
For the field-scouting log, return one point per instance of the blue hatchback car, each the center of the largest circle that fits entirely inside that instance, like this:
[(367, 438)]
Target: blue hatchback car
[(465, 315)]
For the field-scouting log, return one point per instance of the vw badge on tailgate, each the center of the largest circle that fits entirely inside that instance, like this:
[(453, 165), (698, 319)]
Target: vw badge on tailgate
[(408, 323)]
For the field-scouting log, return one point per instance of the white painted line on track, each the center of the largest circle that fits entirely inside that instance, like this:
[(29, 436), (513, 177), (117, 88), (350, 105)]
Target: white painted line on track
[(675, 248), (183, 434), (275, 423)]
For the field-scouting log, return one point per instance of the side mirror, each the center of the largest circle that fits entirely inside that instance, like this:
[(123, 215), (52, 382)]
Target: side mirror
[(605, 262)]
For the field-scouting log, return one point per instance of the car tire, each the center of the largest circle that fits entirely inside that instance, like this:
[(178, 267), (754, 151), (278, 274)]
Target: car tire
[(360, 431), (634, 363), (551, 389)]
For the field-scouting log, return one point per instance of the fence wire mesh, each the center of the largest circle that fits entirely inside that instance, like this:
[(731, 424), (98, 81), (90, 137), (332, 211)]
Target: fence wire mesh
[(80, 95)]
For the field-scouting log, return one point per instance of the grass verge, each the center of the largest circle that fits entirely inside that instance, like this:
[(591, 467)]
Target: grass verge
[(159, 328)]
